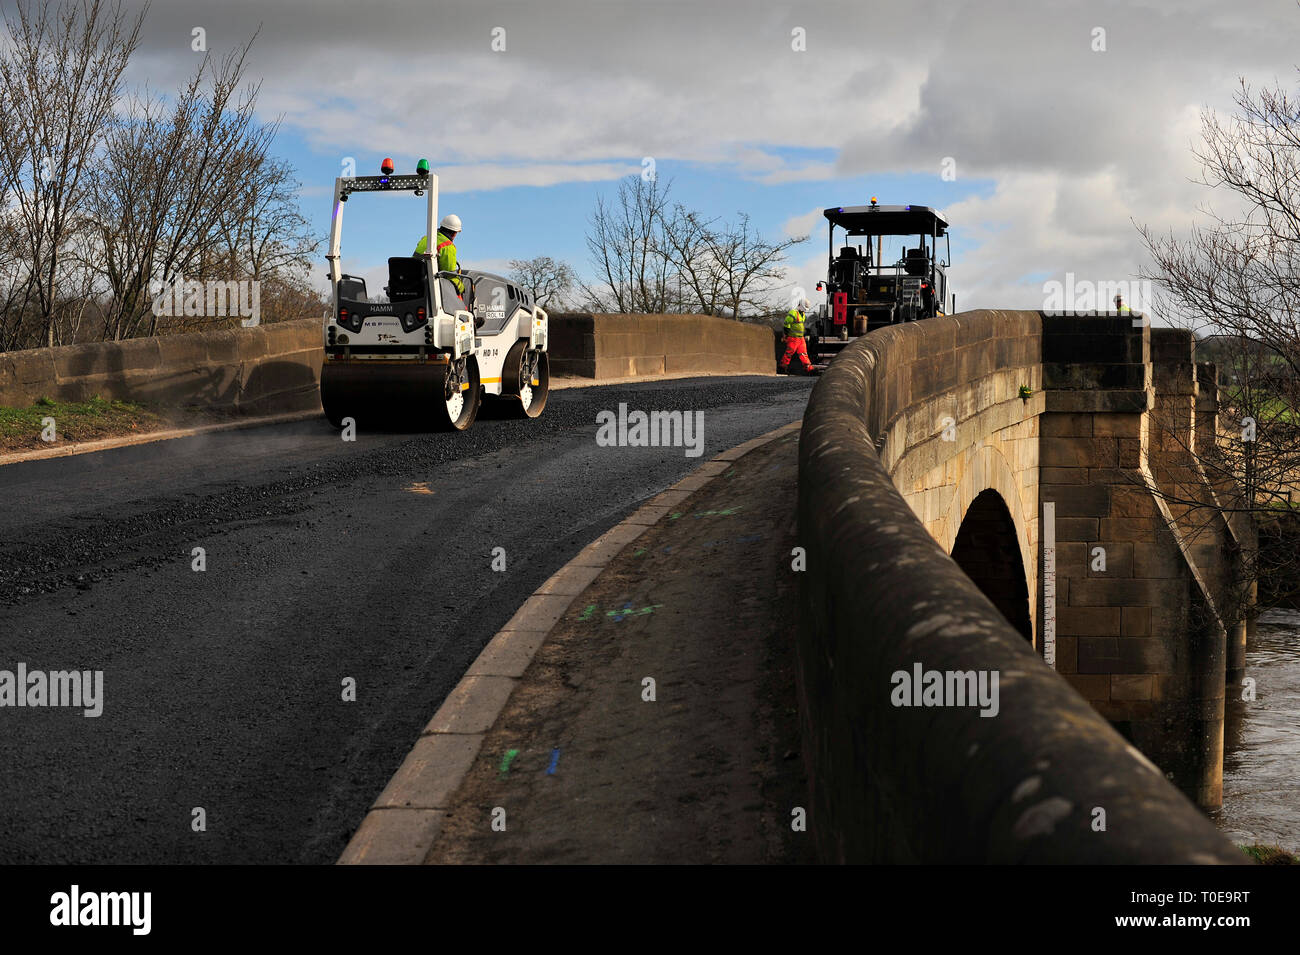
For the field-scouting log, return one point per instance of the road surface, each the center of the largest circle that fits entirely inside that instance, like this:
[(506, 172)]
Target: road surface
[(225, 735)]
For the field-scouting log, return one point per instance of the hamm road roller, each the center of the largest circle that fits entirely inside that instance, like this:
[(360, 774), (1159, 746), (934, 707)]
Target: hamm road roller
[(425, 354)]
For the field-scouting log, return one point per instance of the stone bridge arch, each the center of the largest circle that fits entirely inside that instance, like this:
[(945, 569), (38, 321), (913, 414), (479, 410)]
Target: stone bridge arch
[(975, 439), (987, 549), (986, 473)]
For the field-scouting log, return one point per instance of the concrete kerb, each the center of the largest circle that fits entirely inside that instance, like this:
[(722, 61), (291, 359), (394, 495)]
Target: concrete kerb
[(404, 822)]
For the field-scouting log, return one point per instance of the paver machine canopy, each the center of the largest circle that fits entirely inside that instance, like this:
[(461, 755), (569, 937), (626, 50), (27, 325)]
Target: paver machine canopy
[(864, 291)]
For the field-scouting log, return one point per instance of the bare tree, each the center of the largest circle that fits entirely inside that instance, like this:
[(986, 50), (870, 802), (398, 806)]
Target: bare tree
[(626, 245), (1236, 279), (690, 241), (104, 196), (550, 280), (263, 231), (653, 258), (751, 265), (60, 76), (187, 191), (222, 148), (16, 277)]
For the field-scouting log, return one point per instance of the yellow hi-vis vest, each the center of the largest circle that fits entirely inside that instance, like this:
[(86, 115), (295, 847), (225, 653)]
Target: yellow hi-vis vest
[(794, 323), (446, 257)]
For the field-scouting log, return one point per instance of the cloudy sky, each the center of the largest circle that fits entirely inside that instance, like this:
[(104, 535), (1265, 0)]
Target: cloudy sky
[(1058, 146)]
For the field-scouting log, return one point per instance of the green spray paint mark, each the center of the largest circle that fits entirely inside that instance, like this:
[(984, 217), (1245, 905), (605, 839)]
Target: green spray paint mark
[(674, 515), (628, 611), (507, 759), (639, 553), (723, 513)]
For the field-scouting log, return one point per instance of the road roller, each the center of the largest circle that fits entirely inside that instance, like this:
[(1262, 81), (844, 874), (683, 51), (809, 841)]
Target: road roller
[(426, 354)]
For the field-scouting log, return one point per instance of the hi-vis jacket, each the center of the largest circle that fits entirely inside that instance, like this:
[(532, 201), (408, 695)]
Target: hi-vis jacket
[(446, 257), (794, 323)]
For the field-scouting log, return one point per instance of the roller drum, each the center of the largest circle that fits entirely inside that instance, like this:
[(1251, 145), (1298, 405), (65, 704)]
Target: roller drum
[(400, 395)]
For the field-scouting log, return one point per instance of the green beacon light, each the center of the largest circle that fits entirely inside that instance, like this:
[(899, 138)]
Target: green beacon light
[(422, 167)]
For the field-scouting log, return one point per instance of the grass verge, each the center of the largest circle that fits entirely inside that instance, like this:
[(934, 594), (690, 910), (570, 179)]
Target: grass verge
[(1270, 855), (68, 422)]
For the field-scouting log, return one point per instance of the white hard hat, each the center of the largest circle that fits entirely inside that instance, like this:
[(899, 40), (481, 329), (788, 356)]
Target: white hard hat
[(805, 305), (450, 222)]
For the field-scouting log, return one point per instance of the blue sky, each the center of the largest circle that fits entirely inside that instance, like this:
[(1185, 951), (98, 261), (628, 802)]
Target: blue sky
[(521, 222)]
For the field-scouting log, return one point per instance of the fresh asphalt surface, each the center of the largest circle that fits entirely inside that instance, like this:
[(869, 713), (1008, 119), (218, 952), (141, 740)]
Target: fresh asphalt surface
[(326, 561)]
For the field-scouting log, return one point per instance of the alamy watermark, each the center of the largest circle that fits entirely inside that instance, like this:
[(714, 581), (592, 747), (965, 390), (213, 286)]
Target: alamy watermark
[(1084, 296), (214, 298), (924, 687), (656, 429), (76, 907), (79, 689)]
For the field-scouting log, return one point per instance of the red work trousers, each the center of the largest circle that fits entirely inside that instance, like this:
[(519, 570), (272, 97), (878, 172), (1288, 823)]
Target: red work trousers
[(795, 346)]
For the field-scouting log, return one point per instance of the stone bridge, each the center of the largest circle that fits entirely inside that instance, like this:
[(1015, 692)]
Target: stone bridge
[(1052, 458)]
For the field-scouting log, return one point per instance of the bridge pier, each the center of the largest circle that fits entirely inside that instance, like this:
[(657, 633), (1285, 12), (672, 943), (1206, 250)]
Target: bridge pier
[(1141, 556), (1240, 530)]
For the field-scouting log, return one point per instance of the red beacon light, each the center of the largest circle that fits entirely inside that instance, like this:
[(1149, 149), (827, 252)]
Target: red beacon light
[(386, 167)]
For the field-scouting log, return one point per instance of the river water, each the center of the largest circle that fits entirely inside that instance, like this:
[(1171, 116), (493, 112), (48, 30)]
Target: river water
[(1261, 759)]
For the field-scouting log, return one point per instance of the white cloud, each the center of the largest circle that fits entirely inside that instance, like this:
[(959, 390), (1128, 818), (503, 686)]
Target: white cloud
[(470, 177), (805, 271), (1078, 144), (1028, 228), (805, 223)]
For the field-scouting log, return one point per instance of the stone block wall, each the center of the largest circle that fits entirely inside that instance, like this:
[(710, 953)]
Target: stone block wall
[(626, 346), (880, 594), (953, 424), (276, 368), (266, 369), (1137, 631)]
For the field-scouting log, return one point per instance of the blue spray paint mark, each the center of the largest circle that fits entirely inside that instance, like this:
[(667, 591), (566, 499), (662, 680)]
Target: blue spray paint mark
[(555, 759), (618, 615)]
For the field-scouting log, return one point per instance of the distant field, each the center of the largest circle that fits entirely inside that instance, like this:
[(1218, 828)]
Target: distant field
[(1267, 407)]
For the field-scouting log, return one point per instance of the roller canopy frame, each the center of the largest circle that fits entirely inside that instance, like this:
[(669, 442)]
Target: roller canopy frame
[(344, 186)]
